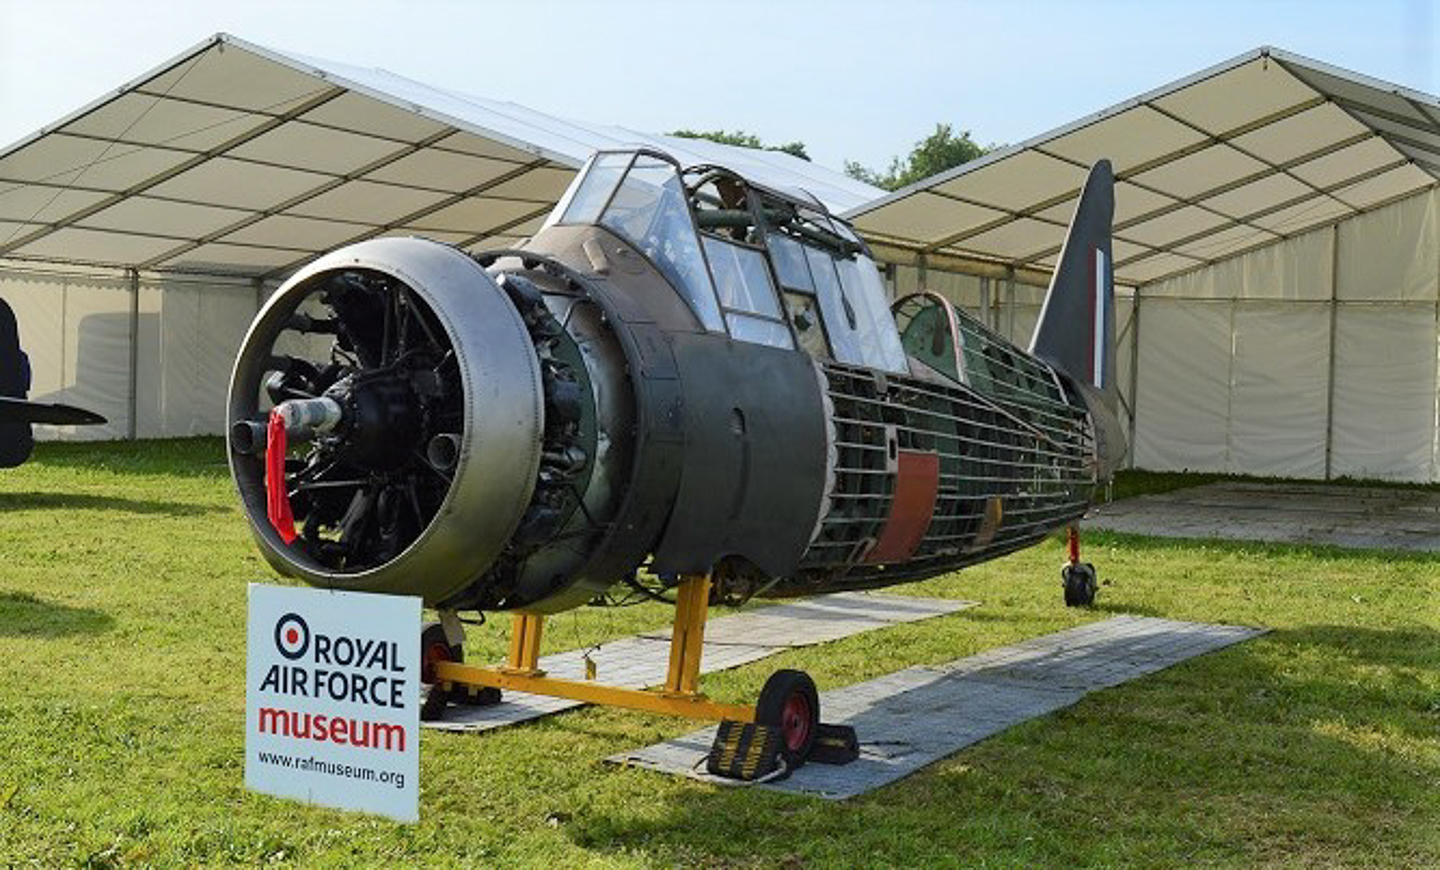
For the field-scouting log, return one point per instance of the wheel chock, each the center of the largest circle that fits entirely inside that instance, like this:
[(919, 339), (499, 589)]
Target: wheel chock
[(835, 744), (746, 751), (474, 696)]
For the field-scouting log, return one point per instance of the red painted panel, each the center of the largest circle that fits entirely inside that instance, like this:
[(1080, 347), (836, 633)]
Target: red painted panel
[(917, 481)]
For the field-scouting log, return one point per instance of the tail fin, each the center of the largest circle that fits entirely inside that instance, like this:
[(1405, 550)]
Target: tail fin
[(1076, 332)]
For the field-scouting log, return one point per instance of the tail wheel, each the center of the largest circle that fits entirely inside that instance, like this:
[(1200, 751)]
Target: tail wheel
[(790, 702), (1080, 584)]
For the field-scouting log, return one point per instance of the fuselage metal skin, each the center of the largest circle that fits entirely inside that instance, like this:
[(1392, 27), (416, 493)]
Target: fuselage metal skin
[(682, 373)]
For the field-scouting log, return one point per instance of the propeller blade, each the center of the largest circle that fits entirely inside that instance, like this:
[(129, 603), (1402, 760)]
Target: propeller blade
[(22, 411)]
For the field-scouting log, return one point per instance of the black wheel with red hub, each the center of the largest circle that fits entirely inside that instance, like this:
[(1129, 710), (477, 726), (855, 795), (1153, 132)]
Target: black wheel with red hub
[(435, 647), (789, 702)]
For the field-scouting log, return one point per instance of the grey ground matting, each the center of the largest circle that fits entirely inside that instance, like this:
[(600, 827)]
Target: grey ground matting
[(730, 641), (913, 717), (1369, 518)]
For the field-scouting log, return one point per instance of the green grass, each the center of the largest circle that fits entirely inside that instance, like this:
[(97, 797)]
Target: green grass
[(1132, 482), (122, 610)]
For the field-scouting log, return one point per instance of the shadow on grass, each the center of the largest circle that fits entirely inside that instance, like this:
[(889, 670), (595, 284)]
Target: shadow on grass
[(23, 615), (75, 501), (1231, 731)]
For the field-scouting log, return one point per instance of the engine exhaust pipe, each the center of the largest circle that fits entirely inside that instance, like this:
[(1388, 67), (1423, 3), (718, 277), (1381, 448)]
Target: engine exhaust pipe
[(443, 451)]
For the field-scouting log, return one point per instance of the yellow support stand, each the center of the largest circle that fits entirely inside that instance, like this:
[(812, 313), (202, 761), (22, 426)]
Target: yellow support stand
[(679, 697)]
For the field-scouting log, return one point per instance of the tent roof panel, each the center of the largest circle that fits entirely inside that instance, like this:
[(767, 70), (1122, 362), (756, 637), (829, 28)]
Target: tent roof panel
[(1260, 138), (1027, 176), (440, 170), (321, 149), (233, 259), (1121, 250), (251, 133), (541, 185), (236, 183), (177, 219), (1159, 265), (233, 77), (289, 231), (153, 120), (470, 143), (930, 217), (1165, 229), (1350, 89), (1295, 217), (1226, 241), (1300, 134), (1205, 170), (1015, 239), (369, 201), (1247, 199), (99, 246), (1253, 91), (35, 204), (449, 236), (475, 215), (1347, 163), (68, 158), (1395, 183), (361, 113), (1131, 137)]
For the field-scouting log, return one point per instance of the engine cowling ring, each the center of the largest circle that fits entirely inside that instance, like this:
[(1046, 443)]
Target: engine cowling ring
[(496, 453)]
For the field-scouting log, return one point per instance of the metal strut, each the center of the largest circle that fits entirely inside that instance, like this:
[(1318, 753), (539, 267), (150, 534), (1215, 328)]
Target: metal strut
[(680, 695)]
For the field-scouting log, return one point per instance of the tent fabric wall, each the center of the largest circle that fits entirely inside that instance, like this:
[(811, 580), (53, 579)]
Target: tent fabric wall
[(1279, 389), (1182, 395), (96, 367), (1315, 357), (190, 333), (76, 330), (1385, 393), (83, 329)]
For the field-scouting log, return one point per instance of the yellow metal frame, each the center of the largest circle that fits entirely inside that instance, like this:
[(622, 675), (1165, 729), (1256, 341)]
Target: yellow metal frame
[(679, 697)]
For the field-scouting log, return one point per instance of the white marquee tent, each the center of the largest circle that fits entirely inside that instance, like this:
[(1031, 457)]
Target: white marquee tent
[(1275, 230), (1276, 225)]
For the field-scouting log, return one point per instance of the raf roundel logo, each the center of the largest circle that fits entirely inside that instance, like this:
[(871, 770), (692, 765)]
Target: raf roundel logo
[(292, 636)]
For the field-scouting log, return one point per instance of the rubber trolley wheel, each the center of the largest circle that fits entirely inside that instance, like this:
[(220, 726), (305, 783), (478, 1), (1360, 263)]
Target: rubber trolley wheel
[(789, 701), (1080, 584), (435, 647)]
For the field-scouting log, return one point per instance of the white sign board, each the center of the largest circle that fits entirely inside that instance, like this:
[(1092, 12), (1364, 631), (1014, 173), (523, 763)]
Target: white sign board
[(332, 699)]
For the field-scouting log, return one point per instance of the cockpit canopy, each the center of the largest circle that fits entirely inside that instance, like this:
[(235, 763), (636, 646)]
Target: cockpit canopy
[(766, 267)]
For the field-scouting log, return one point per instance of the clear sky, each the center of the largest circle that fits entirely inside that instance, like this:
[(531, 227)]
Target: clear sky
[(852, 80)]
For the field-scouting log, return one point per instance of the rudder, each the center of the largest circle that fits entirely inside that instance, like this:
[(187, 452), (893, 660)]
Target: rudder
[(1076, 330)]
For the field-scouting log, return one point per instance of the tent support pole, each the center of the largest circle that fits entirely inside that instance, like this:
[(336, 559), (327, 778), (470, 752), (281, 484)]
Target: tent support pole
[(1330, 378), (132, 427), (1134, 372), (1009, 303)]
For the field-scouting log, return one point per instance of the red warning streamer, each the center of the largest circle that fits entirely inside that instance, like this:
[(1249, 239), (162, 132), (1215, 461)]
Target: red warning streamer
[(277, 500)]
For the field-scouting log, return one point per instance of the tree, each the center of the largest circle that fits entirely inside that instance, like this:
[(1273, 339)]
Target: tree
[(937, 152), (744, 140)]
